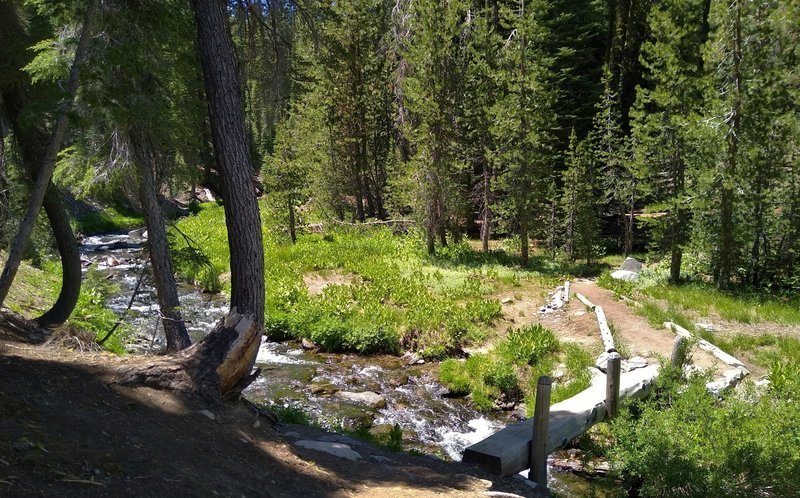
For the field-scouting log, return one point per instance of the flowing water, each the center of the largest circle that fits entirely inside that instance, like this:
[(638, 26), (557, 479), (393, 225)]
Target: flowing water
[(333, 390)]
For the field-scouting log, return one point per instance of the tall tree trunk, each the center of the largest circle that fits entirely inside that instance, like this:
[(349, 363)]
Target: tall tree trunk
[(4, 207), (486, 209), (45, 172), (727, 239), (32, 143), (160, 260), (523, 240), (292, 228), (233, 158), (629, 223), (220, 365)]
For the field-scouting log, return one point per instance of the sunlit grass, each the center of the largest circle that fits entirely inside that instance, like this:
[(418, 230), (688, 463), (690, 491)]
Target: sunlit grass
[(399, 297)]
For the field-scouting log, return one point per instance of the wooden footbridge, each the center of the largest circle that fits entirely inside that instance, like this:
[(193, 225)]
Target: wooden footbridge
[(526, 444)]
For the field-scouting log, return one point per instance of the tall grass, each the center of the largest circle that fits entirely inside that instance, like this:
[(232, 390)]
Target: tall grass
[(399, 298)]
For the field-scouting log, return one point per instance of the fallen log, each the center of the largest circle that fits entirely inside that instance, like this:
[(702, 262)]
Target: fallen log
[(602, 322), (605, 330), (507, 451), (216, 368), (585, 301), (707, 346)]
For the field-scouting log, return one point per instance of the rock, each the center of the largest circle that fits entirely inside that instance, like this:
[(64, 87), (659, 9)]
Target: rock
[(139, 233), (410, 358), (381, 459), (632, 265), (336, 449), (507, 300), (207, 414), (602, 361), (579, 313), (323, 388), (111, 261), (633, 363), (705, 326), (626, 275), (373, 400), (307, 344)]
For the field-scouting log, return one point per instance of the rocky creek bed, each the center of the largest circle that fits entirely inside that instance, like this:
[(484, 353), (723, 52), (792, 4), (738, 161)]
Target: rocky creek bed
[(335, 391)]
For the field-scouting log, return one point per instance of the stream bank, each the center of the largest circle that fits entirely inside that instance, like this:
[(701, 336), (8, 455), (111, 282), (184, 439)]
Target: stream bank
[(374, 394)]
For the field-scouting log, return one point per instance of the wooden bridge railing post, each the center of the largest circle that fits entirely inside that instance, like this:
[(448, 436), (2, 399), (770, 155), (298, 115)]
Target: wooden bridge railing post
[(541, 429), (612, 384)]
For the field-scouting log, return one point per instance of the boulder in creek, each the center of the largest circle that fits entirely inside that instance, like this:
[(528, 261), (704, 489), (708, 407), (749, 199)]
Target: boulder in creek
[(371, 399)]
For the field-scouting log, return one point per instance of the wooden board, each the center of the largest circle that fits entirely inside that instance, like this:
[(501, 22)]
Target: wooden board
[(506, 451)]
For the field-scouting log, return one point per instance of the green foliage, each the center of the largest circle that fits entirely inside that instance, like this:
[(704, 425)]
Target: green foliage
[(110, 219), (686, 442), (528, 345), (91, 314), (509, 372), (396, 299)]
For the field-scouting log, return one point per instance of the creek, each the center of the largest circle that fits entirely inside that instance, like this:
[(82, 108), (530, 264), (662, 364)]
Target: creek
[(335, 391)]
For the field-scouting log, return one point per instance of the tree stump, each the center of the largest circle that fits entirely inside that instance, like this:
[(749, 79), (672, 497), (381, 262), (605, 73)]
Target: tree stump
[(216, 368)]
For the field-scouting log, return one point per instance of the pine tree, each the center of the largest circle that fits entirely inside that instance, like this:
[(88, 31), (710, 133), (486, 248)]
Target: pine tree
[(578, 205), (431, 90), (665, 113), (524, 119)]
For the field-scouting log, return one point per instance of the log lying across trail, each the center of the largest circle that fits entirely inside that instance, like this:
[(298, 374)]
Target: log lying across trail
[(507, 451), (731, 376), (602, 321), (215, 368)]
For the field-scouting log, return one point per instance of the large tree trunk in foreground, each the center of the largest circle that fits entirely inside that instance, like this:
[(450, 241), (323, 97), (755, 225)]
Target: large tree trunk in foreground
[(230, 143), (216, 368), (160, 260), (45, 172), (219, 366)]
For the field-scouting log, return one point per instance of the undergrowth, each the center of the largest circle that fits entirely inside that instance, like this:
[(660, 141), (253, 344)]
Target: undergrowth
[(398, 299), (509, 372), (684, 441)]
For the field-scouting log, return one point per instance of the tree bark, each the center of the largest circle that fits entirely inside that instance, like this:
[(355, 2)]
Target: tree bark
[(32, 143), (727, 240), (160, 260), (523, 240), (230, 143), (69, 253), (292, 221), (45, 172), (3, 181), (486, 210), (214, 369)]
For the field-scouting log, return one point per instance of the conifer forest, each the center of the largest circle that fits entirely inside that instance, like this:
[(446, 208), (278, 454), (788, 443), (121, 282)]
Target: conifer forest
[(582, 128), (202, 187)]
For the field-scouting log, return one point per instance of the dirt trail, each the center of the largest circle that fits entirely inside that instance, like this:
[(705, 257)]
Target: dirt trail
[(633, 331), (67, 430)]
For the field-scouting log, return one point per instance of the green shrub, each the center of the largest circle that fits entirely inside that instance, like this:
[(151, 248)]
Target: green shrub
[(528, 344), (685, 442)]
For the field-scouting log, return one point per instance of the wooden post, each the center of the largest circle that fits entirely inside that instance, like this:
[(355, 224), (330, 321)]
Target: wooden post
[(612, 385), (566, 291), (678, 356), (541, 429)]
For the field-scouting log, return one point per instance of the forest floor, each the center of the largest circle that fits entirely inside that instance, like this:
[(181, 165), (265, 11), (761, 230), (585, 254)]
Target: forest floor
[(67, 430)]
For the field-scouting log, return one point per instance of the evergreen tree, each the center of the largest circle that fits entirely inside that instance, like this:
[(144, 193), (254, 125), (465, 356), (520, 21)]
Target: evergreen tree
[(578, 203), (524, 119), (431, 91), (665, 115)]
